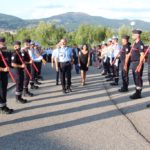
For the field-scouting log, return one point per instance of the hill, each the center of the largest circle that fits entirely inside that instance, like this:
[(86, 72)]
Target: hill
[(70, 21)]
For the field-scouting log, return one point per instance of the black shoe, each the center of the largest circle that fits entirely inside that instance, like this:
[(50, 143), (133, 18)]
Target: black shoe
[(34, 87), (123, 90), (109, 76), (111, 79), (136, 95), (38, 83), (64, 91), (114, 84), (57, 83), (29, 94), (6, 110), (103, 74), (148, 106), (21, 100), (69, 89)]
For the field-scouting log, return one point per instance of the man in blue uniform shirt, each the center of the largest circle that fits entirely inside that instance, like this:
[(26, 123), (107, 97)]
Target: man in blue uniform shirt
[(65, 56)]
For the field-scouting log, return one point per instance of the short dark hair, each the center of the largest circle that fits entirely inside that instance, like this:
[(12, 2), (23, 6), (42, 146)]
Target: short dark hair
[(2, 39), (27, 40), (17, 43)]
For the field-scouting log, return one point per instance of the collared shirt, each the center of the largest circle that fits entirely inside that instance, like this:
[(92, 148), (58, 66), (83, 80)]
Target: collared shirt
[(116, 49), (110, 51), (137, 49), (34, 56), (124, 51), (64, 54), (26, 57)]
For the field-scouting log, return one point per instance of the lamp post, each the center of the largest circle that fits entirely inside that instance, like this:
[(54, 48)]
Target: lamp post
[(132, 24)]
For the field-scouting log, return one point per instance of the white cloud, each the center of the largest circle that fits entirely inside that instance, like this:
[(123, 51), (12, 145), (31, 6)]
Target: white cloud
[(118, 9)]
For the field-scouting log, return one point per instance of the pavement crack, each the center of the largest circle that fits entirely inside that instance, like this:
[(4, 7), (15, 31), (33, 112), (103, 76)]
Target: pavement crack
[(124, 114)]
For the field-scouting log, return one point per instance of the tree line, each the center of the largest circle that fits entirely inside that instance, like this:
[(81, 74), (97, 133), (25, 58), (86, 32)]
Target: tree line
[(49, 34)]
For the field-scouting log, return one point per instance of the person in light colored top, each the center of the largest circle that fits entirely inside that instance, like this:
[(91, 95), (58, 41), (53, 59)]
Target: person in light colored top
[(64, 57), (53, 62)]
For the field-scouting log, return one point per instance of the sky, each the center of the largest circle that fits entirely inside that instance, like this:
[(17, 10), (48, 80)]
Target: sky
[(113, 9)]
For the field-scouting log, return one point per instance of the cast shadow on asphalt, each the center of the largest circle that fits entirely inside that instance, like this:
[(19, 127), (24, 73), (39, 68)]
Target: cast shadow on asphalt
[(105, 103), (33, 134)]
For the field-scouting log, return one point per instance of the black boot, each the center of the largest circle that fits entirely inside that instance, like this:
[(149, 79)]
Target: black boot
[(115, 83), (108, 76), (136, 95), (19, 99), (123, 89), (148, 105), (110, 79), (64, 91), (27, 93), (6, 110), (37, 82), (69, 89), (33, 86)]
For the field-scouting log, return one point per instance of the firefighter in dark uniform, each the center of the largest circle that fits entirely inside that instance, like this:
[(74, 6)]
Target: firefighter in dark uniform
[(19, 71), (28, 63), (148, 60), (126, 46), (4, 79), (137, 54), (64, 57)]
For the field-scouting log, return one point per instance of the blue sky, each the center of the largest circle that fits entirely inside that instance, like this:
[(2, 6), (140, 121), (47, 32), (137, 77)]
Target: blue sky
[(115, 9)]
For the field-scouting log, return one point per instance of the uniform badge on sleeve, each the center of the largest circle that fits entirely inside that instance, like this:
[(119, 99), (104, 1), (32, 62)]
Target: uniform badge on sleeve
[(12, 58), (127, 49), (142, 46), (22, 54)]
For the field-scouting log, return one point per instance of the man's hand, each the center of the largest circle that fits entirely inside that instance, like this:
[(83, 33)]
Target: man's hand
[(6, 69), (43, 61), (57, 69), (22, 66), (52, 65), (31, 61)]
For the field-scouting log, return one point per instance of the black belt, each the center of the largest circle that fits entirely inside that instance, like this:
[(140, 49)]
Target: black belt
[(65, 62)]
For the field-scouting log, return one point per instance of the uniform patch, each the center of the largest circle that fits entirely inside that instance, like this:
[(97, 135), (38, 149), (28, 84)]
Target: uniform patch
[(12, 58), (142, 47), (127, 49)]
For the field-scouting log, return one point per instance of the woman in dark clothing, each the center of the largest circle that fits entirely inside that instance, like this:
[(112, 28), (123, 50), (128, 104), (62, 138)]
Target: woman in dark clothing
[(84, 62)]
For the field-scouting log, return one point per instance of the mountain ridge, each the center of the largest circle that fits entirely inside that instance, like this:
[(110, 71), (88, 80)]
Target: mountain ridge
[(70, 20)]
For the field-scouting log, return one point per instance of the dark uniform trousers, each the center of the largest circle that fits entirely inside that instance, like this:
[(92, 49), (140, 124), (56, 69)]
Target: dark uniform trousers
[(39, 66), (19, 81), (34, 73), (107, 66), (137, 76), (57, 77), (26, 77), (116, 71), (149, 73), (125, 75), (3, 88), (148, 60), (65, 72)]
